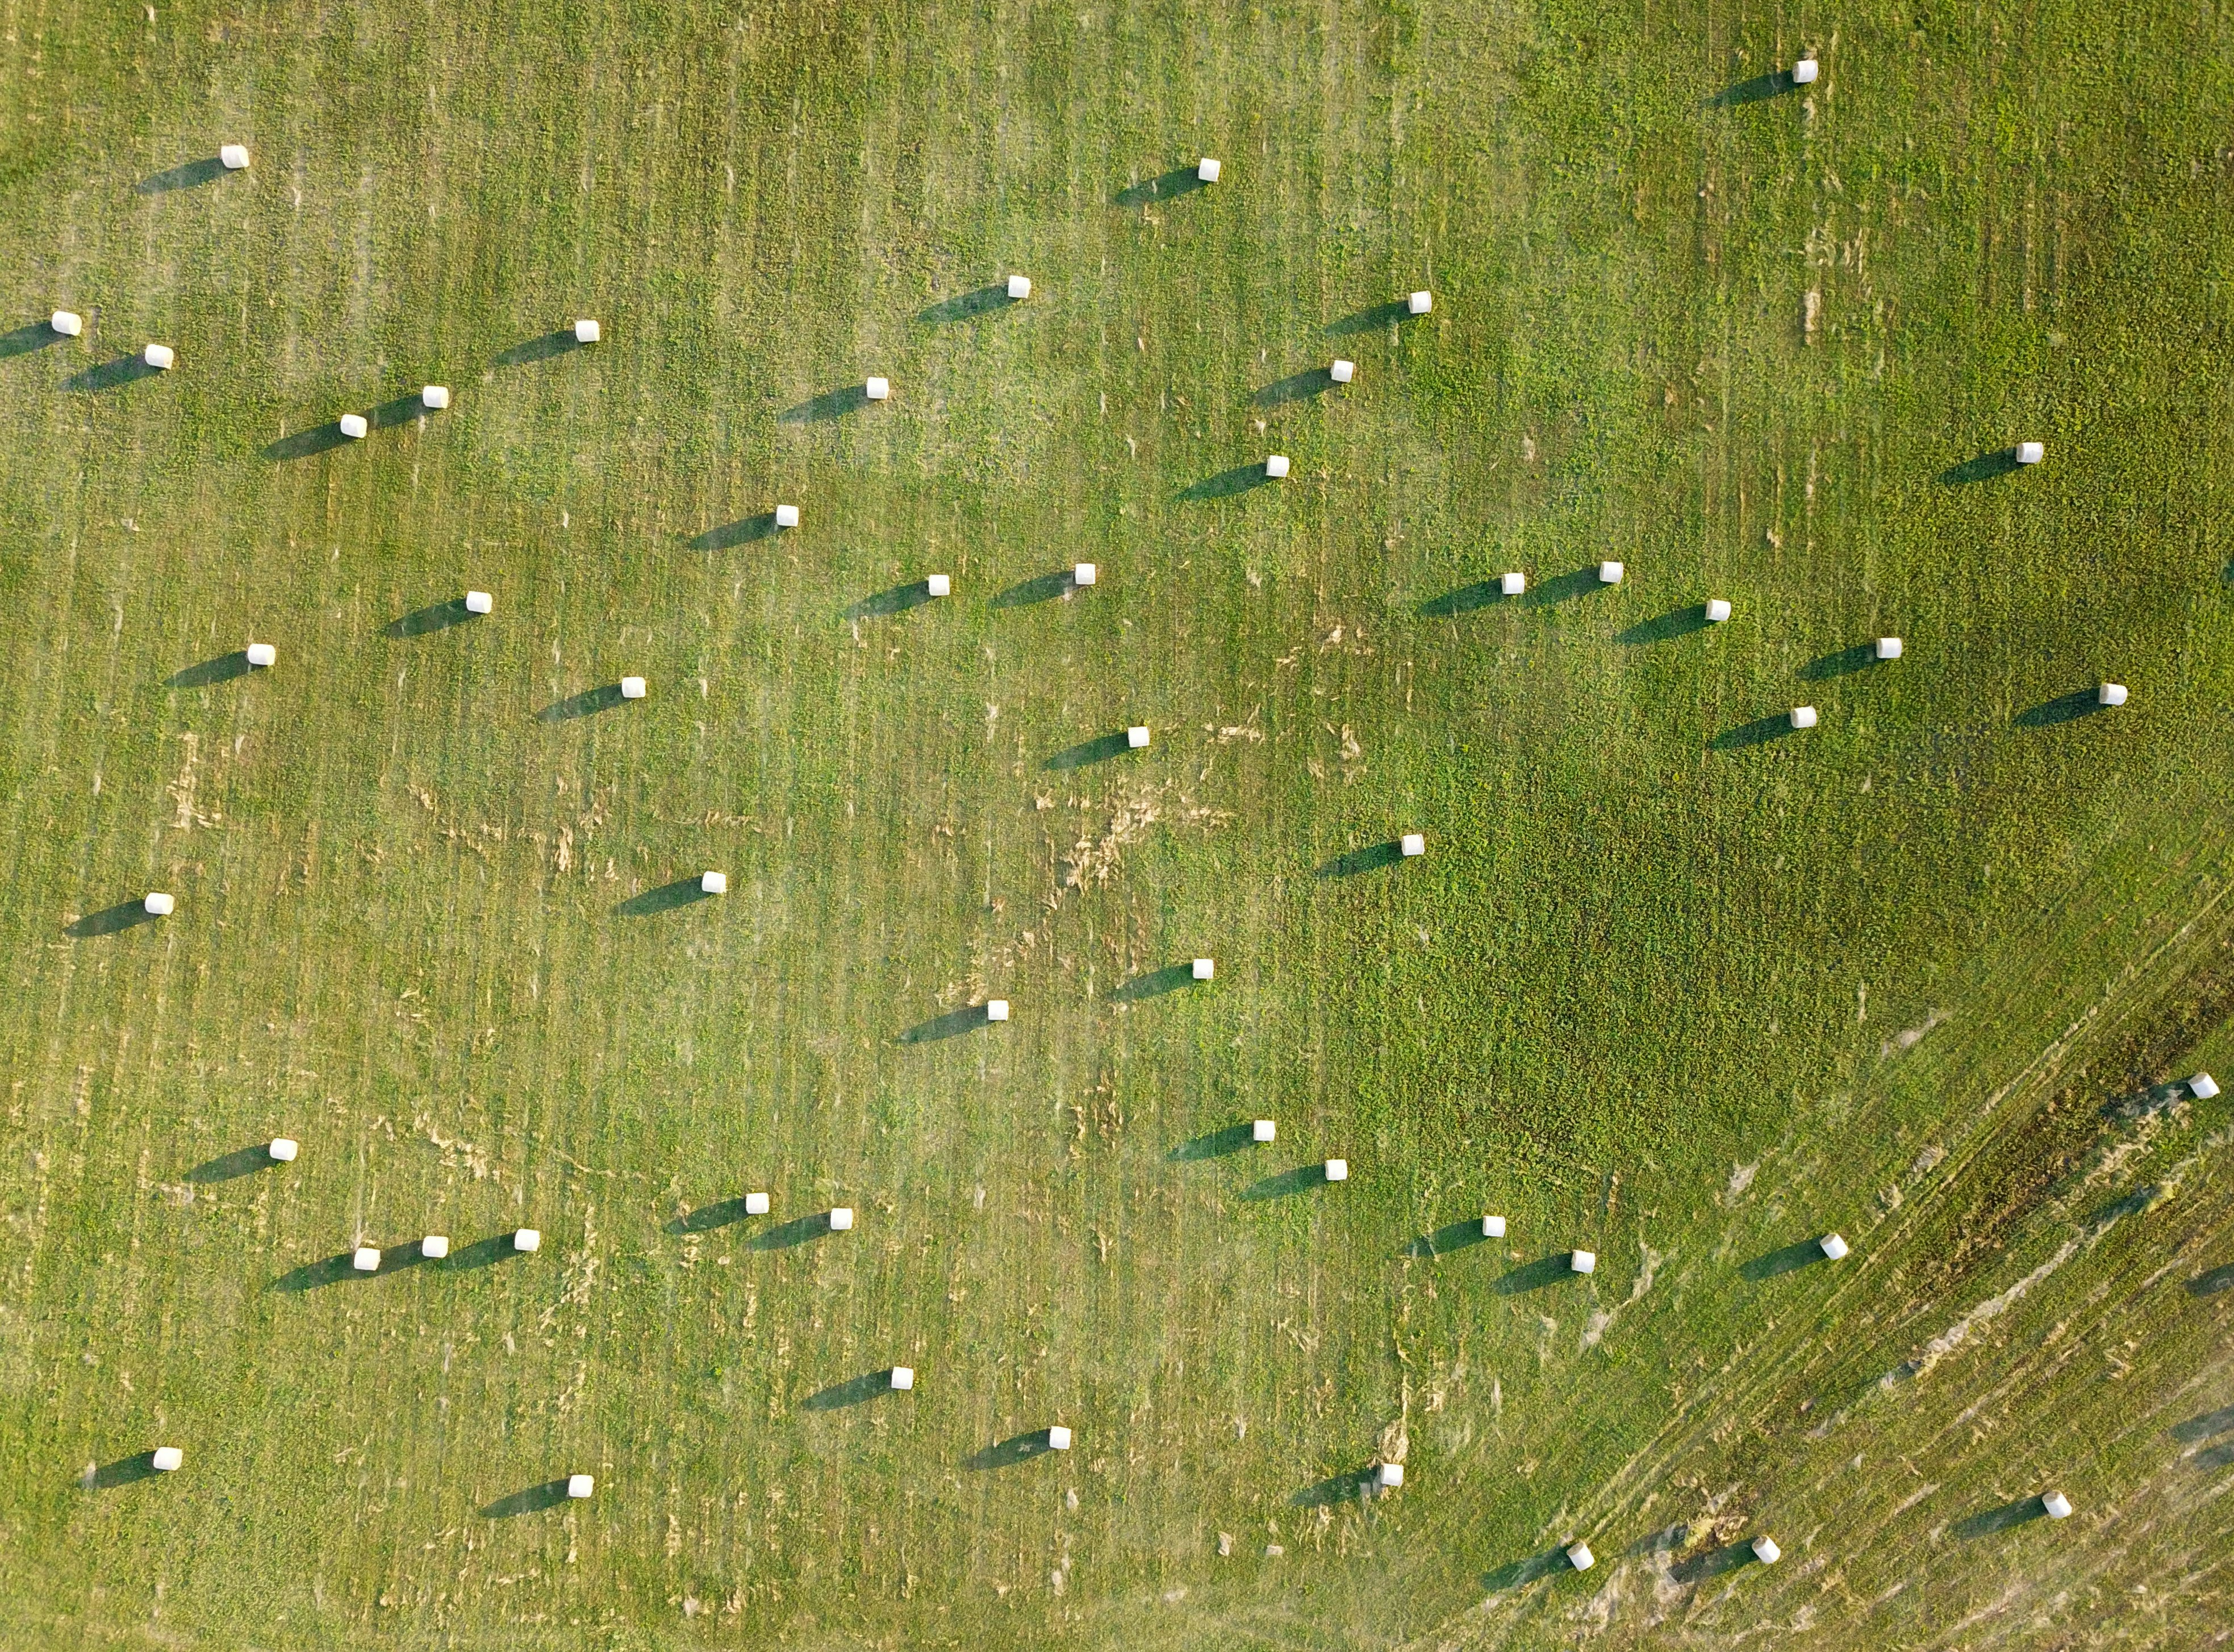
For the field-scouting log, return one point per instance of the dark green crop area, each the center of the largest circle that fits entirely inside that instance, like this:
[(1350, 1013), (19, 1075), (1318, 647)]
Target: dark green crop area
[(1673, 982)]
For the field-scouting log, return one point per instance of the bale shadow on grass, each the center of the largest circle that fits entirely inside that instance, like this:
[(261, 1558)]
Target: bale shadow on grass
[(1485, 593), (110, 920), (2212, 1283), (1761, 88), (308, 444), (2068, 707), (683, 892), (223, 668), (1760, 732), (1677, 622), (225, 1168), (1348, 1487), (1228, 483), (404, 410), (1216, 1145), (1179, 180), (190, 174), (724, 1213), (1984, 468), (108, 375), (1371, 858), (1860, 657), (316, 1275), (482, 1253), (1581, 582), (1534, 1276), (1100, 750), (587, 703), (854, 1391), (535, 1499), (559, 342), (125, 1470), (831, 404), (2216, 1458), (1171, 978), (1017, 1449), (32, 336), (2202, 1426), (1519, 1572), (1286, 1183), (1453, 1235), (1990, 1521), (1373, 315), (1713, 1562), (965, 306), (422, 622), (1039, 588), (797, 1232), (952, 1024), (1297, 387), (1788, 1259), (744, 531), (897, 600)]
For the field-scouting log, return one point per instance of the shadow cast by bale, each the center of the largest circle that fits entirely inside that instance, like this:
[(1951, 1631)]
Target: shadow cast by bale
[(1534, 1276), (439, 617), (1017, 1449), (1180, 181), (1985, 1524), (797, 1232), (744, 531), (952, 1024), (1760, 732), (1521, 1573), (1761, 88), (2211, 1283), (404, 410), (1371, 858), (707, 1218), (32, 336), (1287, 1183), (1100, 750), (965, 306), (316, 1275), (125, 369), (2069, 708), (308, 444), (1171, 978), (2216, 1458), (1566, 587), (1455, 1235), (1713, 1562), (1216, 1145), (1353, 1486), (831, 404), (1845, 661), (587, 703), (1297, 387), (2202, 1426), (482, 1253), (1041, 588), (190, 174), (125, 1470), (223, 668), (110, 920), (1227, 483), (1485, 593), (1984, 468), (533, 1500), (1679, 621), (225, 1168), (1788, 1259), (897, 600), (853, 1391), (683, 892), (560, 342), (1370, 318)]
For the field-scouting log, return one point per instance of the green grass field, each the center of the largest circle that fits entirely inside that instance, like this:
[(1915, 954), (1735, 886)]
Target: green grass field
[(1669, 984)]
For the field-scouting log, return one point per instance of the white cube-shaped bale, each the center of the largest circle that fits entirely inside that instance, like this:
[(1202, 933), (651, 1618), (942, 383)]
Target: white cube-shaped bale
[(1580, 1557), (265, 653), (1388, 1476), (939, 584), (168, 1459), (1420, 302), (1058, 1437), (2203, 1086), (996, 1010), (435, 1246), (480, 602), (367, 1259), (1718, 610), (1412, 844), (1276, 466), (787, 516), (1137, 735), (1265, 1130), (162, 357), (1513, 584), (2031, 452), (1019, 288), (1832, 1245), (1610, 573), (526, 1239), (282, 1149), (756, 1204), (633, 688), (713, 882), (1343, 372), (434, 397), (903, 1378), (1207, 170), (841, 1220), (1206, 969), (1804, 72), (68, 323), (158, 904), (233, 157), (877, 390), (1803, 716), (1888, 648), (2111, 694), (354, 425), (580, 1486), (587, 331), (1492, 1227), (1336, 1170), (2057, 1505), (1766, 1552), (1084, 573), (1583, 1261)]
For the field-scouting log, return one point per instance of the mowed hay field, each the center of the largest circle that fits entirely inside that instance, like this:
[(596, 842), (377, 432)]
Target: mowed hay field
[(1668, 985)]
